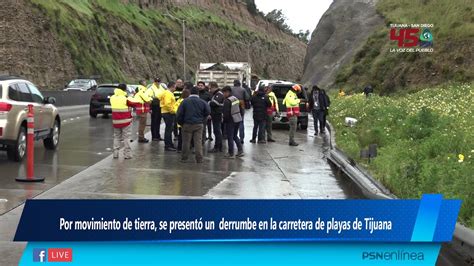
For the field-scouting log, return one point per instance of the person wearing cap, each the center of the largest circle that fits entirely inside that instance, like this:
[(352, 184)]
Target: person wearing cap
[(292, 103), (192, 113), (142, 109), (167, 102), (122, 105), (155, 92)]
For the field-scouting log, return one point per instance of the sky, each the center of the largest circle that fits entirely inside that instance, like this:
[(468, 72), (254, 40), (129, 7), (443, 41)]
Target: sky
[(301, 14)]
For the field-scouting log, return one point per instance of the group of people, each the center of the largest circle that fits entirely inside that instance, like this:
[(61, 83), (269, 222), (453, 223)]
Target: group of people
[(190, 111)]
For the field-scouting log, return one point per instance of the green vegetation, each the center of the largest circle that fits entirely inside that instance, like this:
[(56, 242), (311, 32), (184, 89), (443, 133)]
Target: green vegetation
[(425, 141), (453, 32), (96, 32)]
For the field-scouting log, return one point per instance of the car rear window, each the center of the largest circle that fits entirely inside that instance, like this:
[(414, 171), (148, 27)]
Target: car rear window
[(105, 90), (281, 91), (78, 82)]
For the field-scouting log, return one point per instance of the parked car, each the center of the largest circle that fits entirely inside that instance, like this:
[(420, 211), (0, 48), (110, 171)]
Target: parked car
[(15, 96), (81, 85), (100, 100), (280, 89)]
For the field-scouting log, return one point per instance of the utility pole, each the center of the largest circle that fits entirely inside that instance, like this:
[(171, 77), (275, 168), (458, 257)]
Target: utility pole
[(184, 49)]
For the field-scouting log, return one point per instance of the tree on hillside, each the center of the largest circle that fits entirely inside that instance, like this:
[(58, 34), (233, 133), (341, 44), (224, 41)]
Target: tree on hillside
[(252, 8), (303, 36), (277, 17)]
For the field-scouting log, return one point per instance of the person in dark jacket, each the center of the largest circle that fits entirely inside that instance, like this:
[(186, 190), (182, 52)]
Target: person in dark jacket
[(191, 114), (318, 104), (232, 117), (241, 94), (260, 102), (205, 95), (216, 104)]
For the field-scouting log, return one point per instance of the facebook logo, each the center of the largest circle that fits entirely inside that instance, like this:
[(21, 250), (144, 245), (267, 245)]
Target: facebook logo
[(39, 255)]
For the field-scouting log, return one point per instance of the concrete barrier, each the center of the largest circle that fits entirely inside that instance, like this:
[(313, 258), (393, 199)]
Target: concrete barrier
[(69, 98), (463, 238)]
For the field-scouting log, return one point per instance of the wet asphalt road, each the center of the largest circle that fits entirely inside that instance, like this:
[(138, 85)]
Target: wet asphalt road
[(83, 142), (267, 171)]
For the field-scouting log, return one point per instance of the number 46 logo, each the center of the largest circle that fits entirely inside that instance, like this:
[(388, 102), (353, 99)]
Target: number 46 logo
[(406, 37)]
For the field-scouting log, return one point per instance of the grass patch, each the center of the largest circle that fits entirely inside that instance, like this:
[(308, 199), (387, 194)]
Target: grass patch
[(420, 138)]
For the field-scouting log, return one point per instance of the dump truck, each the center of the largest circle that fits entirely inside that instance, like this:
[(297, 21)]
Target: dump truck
[(224, 73)]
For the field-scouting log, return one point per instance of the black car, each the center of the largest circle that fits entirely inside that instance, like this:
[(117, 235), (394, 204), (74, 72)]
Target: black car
[(100, 100), (280, 89)]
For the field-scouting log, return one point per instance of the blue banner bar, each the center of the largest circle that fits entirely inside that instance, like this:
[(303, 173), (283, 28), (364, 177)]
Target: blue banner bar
[(239, 220)]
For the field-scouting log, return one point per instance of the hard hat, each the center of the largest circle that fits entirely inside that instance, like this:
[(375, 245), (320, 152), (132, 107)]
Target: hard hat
[(296, 87)]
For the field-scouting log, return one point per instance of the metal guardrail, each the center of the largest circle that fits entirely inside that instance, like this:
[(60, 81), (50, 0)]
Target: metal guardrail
[(463, 238), (69, 98)]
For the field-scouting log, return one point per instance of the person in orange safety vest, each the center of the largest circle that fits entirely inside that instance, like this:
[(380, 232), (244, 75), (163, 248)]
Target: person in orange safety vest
[(142, 109), (122, 119)]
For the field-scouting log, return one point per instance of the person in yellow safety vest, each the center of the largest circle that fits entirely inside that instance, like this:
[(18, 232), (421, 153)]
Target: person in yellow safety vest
[(142, 109), (272, 111), (121, 120), (167, 102), (292, 103), (184, 94), (155, 92)]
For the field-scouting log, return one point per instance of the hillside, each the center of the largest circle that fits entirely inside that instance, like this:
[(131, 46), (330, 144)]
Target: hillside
[(52, 41), (371, 61)]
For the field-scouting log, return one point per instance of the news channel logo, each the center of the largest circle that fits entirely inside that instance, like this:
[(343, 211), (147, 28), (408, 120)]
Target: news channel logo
[(411, 38)]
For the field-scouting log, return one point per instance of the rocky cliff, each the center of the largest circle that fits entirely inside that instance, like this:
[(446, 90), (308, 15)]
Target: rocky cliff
[(52, 41), (342, 30)]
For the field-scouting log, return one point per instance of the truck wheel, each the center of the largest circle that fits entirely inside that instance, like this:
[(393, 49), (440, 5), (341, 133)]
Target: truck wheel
[(51, 143), (17, 151)]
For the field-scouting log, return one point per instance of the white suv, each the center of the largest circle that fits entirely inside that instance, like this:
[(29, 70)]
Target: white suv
[(15, 96)]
